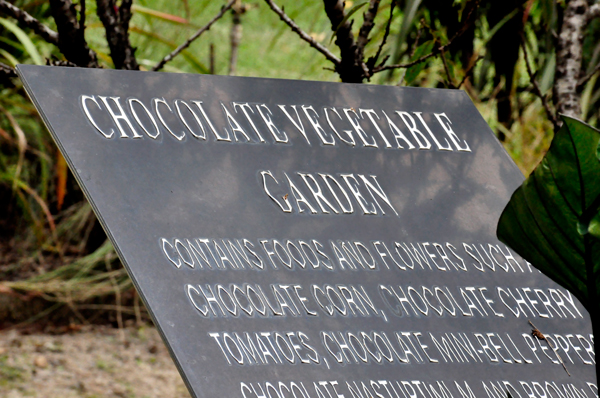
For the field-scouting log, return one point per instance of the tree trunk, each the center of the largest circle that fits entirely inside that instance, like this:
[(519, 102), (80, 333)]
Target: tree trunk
[(569, 55)]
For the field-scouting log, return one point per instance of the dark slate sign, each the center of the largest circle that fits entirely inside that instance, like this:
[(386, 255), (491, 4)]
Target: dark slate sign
[(316, 240)]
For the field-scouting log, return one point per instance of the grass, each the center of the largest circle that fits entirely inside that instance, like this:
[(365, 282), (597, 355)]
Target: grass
[(102, 365), (9, 374)]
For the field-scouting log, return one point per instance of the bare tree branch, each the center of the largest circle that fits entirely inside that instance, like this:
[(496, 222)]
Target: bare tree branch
[(24, 18), (435, 51), (71, 40), (81, 14), (7, 71), (303, 35), (581, 82), (367, 26), (211, 60), (416, 43), (447, 70), (469, 69), (116, 24), (569, 57), (594, 12), (235, 37), (351, 68), (189, 41), (536, 88), (371, 62), (412, 52)]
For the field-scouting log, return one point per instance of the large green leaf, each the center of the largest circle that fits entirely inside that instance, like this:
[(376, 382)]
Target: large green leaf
[(553, 219)]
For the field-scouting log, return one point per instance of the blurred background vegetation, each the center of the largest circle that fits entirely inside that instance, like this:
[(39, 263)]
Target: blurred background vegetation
[(56, 266)]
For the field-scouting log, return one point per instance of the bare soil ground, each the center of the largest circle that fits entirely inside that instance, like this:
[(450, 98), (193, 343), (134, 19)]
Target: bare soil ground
[(95, 362)]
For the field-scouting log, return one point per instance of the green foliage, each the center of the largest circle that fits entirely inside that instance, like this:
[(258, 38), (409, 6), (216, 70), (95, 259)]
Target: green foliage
[(9, 374), (54, 240), (413, 71), (552, 219), (24, 40)]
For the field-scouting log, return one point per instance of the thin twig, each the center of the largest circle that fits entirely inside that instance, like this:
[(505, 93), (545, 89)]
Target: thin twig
[(536, 87), (7, 71), (587, 77), (189, 41), (237, 11), (535, 332), (303, 35), (23, 17), (416, 43), (186, 7), (447, 70), (433, 53), (373, 60), (469, 69), (412, 52), (212, 59)]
